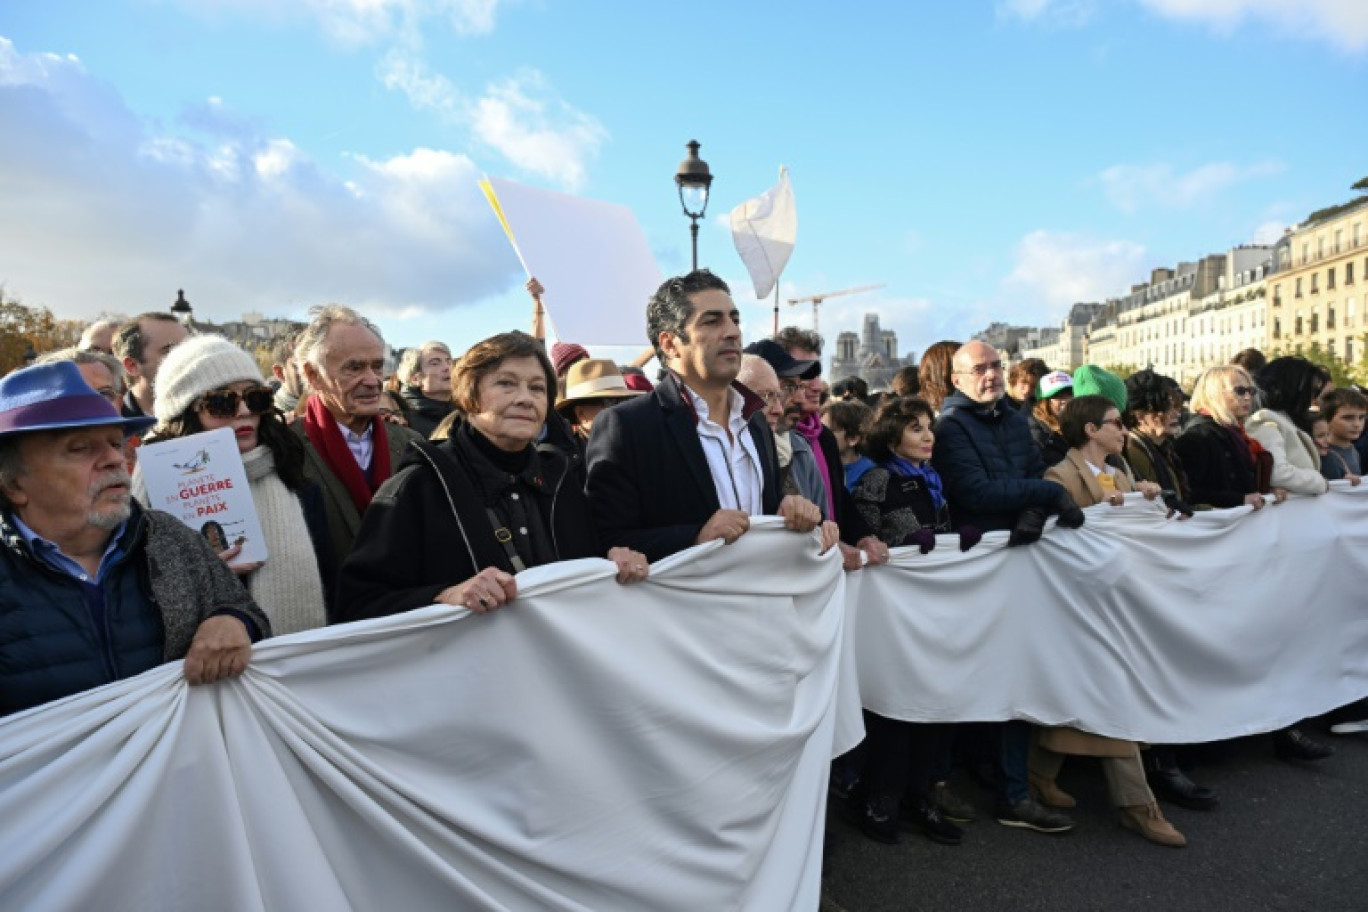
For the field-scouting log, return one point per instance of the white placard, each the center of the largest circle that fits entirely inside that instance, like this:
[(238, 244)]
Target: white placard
[(591, 257), (200, 480)]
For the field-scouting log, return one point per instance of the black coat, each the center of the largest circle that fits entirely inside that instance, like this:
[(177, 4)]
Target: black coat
[(1218, 473), (991, 468), (649, 484), (428, 528)]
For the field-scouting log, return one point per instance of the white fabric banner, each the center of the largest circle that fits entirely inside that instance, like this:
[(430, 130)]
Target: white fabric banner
[(765, 230), (590, 747), (1135, 626)]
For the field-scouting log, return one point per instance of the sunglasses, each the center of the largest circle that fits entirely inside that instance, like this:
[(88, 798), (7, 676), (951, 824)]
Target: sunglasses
[(1243, 390), (224, 403)]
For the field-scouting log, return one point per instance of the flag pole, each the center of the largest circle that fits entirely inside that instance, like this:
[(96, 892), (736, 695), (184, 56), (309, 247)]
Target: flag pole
[(776, 308)]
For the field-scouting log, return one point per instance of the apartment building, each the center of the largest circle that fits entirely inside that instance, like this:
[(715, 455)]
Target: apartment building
[(1318, 289)]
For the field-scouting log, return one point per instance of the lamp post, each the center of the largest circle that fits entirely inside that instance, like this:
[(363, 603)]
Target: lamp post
[(181, 309), (693, 179)]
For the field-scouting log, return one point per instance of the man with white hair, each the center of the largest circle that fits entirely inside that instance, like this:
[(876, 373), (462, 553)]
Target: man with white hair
[(351, 451), (99, 337), (798, 472)]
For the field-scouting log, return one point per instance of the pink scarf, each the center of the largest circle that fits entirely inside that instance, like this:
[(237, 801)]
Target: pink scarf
[(810, 427)]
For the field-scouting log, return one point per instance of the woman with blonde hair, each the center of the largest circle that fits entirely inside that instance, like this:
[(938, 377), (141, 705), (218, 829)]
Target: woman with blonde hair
[(1225, 466)]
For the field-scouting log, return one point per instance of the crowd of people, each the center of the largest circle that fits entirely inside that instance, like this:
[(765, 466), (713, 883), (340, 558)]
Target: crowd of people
[(442, 481)]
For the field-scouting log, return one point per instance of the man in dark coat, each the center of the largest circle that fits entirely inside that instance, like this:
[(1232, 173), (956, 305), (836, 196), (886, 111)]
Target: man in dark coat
[(993, 476), (93, 588), (695, 459)]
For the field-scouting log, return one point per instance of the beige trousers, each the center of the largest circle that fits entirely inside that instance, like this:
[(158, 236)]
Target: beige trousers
[(1125, 775)]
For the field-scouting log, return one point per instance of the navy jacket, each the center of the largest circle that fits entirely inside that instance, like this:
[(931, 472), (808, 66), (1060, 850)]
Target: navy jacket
[(649, 486), (990, 465)]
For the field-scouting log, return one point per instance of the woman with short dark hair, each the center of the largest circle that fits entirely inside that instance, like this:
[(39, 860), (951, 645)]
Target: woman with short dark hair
[(902, 499), (462, 516), (1154, 408)]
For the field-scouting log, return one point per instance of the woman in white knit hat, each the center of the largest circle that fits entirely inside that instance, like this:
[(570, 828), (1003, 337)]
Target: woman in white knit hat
[(207, 383)]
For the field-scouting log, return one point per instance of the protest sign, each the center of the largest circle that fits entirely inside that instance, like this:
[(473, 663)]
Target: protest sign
[(591, 257)]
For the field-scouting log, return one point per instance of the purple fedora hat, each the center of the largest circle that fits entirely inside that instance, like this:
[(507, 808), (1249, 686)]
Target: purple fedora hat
[(53, 397)]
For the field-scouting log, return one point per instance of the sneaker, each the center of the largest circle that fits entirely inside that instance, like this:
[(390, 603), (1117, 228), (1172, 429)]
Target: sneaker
[(879, 819), (923, 814), (1350, 728), (1029, 814), (952, 806)]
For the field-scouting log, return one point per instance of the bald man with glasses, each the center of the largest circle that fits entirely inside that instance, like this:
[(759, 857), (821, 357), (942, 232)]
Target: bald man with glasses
[(994, 476)]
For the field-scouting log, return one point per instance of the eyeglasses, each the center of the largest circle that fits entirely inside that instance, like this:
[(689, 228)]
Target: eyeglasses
[(224, 403), (980, 370), (1243, 390), (1115, 422), (789, 387), (774, 398)]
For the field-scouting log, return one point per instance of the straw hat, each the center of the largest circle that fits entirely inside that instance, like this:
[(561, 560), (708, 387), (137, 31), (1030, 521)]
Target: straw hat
[(595, 378)]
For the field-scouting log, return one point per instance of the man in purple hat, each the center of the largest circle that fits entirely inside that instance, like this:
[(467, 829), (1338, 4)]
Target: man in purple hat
[(93, 588)]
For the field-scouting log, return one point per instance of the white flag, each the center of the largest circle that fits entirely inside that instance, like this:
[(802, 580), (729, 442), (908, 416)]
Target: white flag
[(765, 230)]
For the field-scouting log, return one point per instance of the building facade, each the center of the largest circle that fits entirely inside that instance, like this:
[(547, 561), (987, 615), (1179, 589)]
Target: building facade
[(1318, 289), (872, 355)]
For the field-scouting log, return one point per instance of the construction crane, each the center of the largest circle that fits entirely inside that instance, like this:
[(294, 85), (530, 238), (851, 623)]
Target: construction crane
[(817, 299)]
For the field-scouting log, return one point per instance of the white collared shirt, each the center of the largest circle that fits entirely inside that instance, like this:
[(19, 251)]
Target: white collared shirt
[(362, 445), (733, 460)]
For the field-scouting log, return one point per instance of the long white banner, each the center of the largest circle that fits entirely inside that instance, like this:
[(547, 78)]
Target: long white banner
[(664, 745), (590, 747), (1135, 626)]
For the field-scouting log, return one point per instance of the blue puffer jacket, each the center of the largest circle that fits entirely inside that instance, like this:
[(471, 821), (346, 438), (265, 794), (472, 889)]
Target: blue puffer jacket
[(50, 646), (989, 464), (166, 583)]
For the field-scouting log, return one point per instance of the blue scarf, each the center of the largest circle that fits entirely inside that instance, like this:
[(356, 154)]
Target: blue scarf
[(901, 467)]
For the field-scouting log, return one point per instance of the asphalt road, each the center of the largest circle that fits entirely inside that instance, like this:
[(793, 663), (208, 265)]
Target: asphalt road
[(1287, 836)]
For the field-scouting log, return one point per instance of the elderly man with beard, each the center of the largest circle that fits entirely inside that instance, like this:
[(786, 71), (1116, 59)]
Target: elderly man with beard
[(93, 588), (856, 535), (797, 466)]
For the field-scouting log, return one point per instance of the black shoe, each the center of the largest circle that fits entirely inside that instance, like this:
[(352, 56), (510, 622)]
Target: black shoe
[(1173, 786), (925, 816), (1030, 814), (1293, 744), (952, 807), (879, 819)]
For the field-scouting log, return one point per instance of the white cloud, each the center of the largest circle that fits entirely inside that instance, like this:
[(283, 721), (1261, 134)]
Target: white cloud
[(521, 118), (1134, 187), (1055, 13), (362, 22), (1342, 23), (1054, 270), (103, 213), (1269, 232), (527, 123)]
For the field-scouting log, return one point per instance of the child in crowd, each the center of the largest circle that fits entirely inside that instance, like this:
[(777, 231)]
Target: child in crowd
[(1320, 432), (848, 420), (1343, 412)]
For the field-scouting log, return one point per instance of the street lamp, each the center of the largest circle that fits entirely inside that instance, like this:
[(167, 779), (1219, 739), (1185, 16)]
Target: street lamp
[(181, 309), (693, 179)]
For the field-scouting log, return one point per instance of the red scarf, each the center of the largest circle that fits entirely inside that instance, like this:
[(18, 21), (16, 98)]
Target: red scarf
[(323, 432)]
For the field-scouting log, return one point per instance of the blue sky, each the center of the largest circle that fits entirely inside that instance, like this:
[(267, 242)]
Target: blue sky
[(993, 160)]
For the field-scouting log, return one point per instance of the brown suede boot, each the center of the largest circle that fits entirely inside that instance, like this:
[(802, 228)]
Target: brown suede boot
[(1150, 823), (1048, 793)]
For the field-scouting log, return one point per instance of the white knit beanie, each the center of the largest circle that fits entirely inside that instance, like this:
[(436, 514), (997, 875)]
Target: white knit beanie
[(196, 366)]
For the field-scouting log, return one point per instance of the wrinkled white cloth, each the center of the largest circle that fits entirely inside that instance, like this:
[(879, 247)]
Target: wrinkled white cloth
[(590, 746), (1134, 626)]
